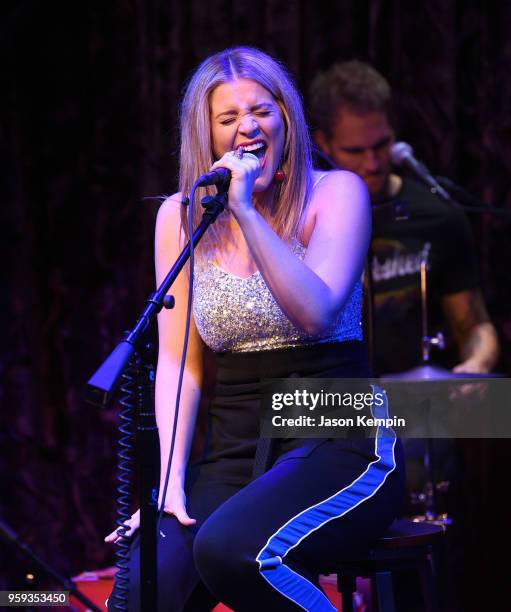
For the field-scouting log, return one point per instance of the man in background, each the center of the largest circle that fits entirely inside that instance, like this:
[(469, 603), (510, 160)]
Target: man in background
[(350, 108)]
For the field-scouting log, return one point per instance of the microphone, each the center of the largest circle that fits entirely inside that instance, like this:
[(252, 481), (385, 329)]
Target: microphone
[(401, 154), (220, 177)]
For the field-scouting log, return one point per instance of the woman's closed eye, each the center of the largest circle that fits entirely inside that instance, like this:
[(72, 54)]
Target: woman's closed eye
[(231, 120)]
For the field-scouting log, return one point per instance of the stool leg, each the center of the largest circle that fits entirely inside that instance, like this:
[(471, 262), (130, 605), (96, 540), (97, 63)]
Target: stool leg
[(428, 585), (384, 592), (347, 585)]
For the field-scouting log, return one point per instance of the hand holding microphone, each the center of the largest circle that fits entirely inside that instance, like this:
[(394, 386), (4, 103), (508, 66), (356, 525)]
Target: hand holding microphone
[(221, 175), (237, 171)]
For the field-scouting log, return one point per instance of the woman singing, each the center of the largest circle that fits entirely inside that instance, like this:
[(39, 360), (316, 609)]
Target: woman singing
[(277, 293)]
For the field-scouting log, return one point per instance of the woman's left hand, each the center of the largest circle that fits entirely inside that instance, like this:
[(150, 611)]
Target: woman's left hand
[(244, 173)]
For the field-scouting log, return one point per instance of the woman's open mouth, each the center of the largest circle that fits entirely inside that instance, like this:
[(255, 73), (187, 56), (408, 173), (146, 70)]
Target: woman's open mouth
[(258, 149)]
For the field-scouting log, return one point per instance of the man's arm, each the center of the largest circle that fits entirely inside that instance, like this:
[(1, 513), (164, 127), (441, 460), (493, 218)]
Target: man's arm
[(473, 331)]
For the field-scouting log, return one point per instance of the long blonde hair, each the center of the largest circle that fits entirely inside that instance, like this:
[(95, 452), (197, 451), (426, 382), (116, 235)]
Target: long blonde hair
[(282, 205)]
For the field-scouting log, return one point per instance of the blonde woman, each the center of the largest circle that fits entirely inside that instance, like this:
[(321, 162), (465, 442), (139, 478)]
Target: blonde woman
[(277, 293)]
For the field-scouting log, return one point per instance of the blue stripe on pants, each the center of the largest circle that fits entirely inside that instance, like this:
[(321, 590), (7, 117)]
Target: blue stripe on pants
[(290, 584)]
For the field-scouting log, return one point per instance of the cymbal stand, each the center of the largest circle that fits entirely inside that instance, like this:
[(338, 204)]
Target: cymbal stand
[(429, 496), (427, 341)]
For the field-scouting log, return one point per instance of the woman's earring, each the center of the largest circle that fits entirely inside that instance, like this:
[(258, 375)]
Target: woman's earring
[(279, 176)]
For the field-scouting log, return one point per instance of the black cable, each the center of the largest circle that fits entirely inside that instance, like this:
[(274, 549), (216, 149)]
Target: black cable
[(191, 200)]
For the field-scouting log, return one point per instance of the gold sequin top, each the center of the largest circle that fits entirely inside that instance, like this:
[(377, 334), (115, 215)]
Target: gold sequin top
[(240, 314)]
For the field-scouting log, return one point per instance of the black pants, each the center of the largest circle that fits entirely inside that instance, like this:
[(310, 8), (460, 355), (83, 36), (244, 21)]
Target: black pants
[(261, 544)]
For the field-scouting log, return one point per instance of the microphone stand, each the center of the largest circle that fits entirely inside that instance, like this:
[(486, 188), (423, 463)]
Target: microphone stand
[(102, 385)]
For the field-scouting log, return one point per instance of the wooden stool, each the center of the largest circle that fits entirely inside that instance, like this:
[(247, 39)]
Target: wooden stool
[(405, 545)]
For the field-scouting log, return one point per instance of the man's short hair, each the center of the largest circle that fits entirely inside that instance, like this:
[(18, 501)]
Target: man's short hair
[(354, 85)]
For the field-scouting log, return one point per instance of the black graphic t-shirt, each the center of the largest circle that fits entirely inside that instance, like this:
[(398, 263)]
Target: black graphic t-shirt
[(412, 225)]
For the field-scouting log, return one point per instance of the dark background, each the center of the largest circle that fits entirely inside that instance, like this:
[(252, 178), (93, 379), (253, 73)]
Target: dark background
[(88, 141)]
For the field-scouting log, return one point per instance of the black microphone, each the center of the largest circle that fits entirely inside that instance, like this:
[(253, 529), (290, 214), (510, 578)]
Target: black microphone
[(401, 154), (220, 177)]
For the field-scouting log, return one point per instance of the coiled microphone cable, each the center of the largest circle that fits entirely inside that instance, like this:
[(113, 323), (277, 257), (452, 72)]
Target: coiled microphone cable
[(125, 466)]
